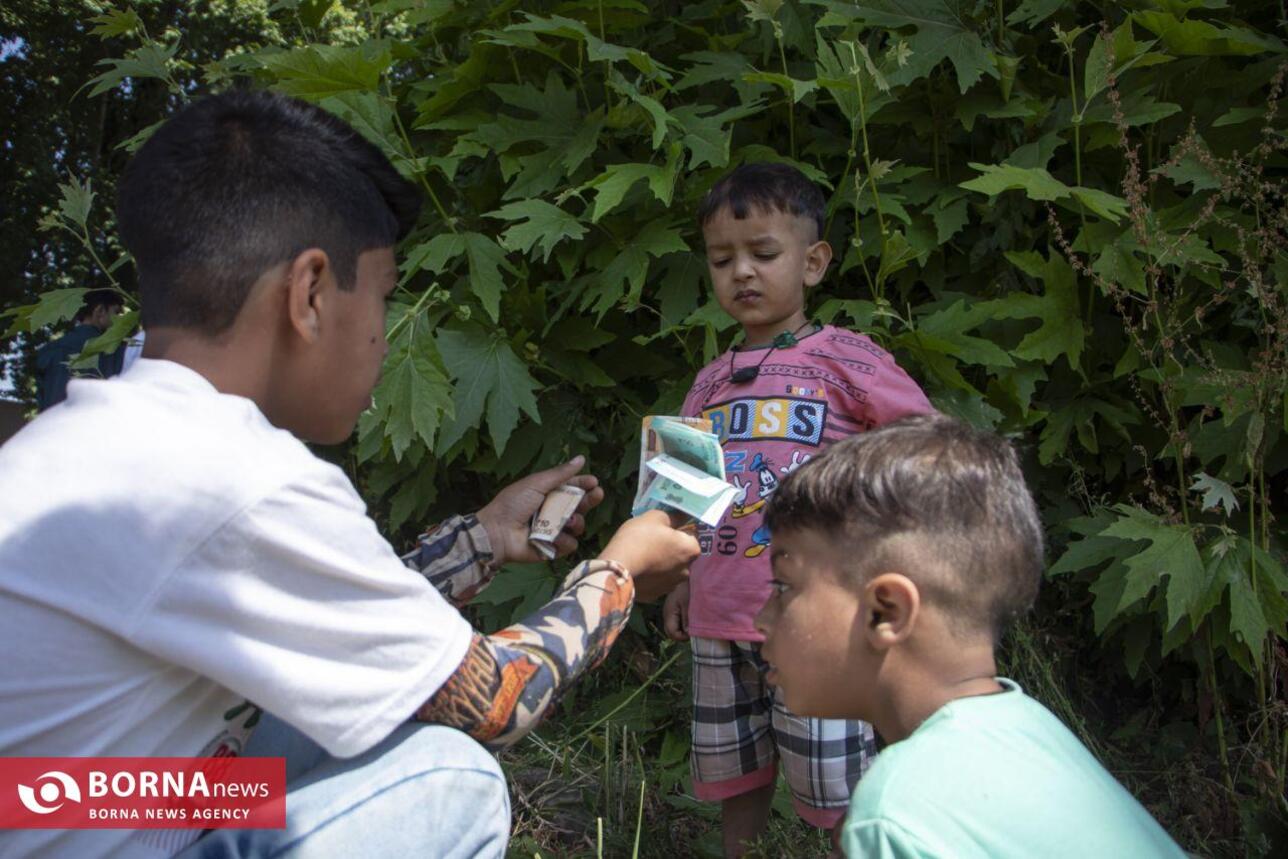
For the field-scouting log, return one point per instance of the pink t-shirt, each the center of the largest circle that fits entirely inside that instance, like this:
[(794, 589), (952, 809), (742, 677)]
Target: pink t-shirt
[(831, 384)]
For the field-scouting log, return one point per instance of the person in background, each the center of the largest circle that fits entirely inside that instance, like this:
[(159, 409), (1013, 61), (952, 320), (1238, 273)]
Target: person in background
[(52, 359)]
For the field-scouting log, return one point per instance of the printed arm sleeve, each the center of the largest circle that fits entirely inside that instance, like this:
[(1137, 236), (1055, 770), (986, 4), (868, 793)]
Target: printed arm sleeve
[(508, 681), (455, 557)]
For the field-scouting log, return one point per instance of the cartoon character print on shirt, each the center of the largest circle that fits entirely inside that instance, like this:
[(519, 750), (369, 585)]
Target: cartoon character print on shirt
[(765, 487), (760, 537)]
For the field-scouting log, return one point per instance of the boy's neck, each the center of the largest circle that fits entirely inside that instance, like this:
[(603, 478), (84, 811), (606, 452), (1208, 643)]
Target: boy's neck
[(911, 690), (760, 336)]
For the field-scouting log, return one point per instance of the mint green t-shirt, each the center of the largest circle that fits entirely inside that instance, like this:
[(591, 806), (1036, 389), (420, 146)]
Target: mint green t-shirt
[(996, 776)]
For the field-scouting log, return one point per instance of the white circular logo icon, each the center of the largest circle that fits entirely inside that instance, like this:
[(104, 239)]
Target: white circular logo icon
[(53, 789)]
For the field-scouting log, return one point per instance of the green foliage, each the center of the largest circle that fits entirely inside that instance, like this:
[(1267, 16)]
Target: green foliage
[(1066, 219)]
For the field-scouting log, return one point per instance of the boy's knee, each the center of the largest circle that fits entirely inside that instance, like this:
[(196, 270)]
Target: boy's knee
[(461, 780)]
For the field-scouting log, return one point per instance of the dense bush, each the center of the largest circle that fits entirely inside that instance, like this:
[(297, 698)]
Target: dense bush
[(1066, 219)]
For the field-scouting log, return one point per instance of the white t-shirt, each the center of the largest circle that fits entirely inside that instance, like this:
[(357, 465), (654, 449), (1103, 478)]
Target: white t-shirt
[(167, 555), (133, 349)]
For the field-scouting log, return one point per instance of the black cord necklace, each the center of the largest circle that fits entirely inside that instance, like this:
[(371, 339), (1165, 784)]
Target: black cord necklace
[(785, 340)]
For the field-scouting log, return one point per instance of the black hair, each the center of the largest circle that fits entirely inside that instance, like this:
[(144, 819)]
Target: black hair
[(940, 501), (237, 183), (766, 187), (96, 298)]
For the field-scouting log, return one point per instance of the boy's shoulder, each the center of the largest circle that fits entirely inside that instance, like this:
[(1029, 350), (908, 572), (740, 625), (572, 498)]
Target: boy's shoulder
[(847, 344), (1005, 767)]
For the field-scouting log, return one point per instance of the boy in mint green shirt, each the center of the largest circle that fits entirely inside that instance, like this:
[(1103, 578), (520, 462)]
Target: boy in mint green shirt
[(899, 555)]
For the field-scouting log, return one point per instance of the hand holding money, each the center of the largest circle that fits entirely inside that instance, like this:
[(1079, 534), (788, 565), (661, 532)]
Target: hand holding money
[(655, 552), (508, 517)]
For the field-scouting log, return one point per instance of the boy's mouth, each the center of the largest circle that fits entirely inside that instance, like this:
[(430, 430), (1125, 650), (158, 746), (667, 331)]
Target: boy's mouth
[(746, 295)]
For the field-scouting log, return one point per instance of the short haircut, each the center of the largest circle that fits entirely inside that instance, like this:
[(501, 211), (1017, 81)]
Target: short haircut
[(766, 187), (237, 183), (942, 502), (96, 298)]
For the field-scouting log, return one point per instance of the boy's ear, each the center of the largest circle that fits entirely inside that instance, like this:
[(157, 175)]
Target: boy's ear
[(892, 604), (306, 279), (818, 257)]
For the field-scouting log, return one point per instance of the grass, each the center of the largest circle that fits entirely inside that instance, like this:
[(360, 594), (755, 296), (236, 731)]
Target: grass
[(608, 775)]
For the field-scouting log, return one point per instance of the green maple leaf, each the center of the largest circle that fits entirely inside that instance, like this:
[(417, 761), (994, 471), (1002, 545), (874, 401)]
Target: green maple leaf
[(706, 135), (150, 60), (413, 395), (372, 116), (1034, 11), (597, 50), (123, 324), (794, 88), (55, 306), (941, 30), (611, 185), (712, 67), (1199, 38), (945, 331), (538, 223), (486, 259), (568, 137), (657, 114), (949, 215), (76, 201), (1170, 554), (624, 276), (1038, 184), (116, 22), (1035, 182), (1256, 584), (1061, 331), (488, 375), (324, 70), (1216, 493), (680, 287)]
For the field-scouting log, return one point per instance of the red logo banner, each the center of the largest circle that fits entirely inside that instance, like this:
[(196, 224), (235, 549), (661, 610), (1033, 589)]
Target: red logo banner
[(143, 793)]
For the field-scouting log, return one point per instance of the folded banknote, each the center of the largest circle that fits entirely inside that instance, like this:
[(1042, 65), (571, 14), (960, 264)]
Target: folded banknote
[(682, 469)]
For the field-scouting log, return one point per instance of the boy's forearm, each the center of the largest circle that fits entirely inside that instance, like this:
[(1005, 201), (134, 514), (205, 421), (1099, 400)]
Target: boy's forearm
[(455, 557), (508, 681)]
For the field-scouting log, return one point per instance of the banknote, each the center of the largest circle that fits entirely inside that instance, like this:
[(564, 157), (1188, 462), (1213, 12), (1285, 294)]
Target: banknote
[(682, 468), (549, 521)]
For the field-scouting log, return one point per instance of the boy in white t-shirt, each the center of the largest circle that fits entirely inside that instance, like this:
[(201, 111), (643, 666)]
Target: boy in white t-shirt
[(173, 558)]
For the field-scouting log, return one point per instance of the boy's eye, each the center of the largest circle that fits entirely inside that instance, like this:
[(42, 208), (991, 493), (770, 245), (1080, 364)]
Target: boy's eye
[(766, 255), (780, 587), (719, 263)]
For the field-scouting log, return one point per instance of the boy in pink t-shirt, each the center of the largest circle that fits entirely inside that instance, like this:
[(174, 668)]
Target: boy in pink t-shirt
[(788, 391)]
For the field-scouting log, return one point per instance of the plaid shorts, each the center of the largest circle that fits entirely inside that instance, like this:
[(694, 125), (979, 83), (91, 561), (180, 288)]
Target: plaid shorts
[(741, 730)]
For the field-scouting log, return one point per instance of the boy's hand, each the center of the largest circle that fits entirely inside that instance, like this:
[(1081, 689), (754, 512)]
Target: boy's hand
[(655, 552), (675, 613), (508, 516)]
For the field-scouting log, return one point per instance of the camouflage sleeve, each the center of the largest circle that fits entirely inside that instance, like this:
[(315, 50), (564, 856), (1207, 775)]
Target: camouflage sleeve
[(455, 557), (508, 681)]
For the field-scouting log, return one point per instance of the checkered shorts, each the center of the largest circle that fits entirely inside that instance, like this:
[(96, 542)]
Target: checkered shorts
[(741, 728)]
